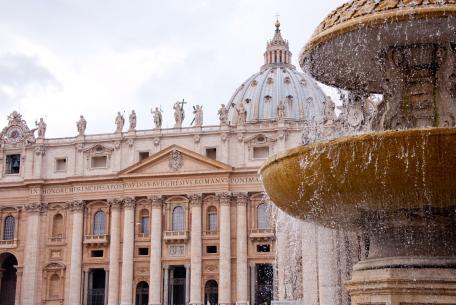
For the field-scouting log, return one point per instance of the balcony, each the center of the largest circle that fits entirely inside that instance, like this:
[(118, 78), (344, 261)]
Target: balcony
[(262, 234), (98, 239), (57, 239), (8, 244), (142, 235), (175, 236), (210, 234)]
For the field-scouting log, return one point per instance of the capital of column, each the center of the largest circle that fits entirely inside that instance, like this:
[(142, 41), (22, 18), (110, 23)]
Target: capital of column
[(224, 198), (157, 201), (76, 205), (129, 203), (241, 198), (195, 200), (35, 207), (115, 203)]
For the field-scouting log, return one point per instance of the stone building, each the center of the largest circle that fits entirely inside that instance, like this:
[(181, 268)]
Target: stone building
[(161, 216)]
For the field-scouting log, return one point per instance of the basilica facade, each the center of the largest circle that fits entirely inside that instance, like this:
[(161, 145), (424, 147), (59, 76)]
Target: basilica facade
[(162, 216)]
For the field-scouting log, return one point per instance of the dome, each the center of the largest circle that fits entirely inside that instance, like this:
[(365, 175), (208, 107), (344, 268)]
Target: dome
[(278, 81)]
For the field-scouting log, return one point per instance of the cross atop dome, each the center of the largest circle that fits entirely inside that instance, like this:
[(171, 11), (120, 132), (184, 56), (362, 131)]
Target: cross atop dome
[(277, 50)]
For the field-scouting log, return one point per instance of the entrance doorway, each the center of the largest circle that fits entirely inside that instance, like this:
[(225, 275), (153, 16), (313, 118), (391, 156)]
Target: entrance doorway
[(211, 293), (8, 279), (177, 285), (96, 287), (142, 293), (265, 277)]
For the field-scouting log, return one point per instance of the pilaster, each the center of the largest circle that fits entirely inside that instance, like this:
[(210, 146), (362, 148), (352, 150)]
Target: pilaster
[(77, 207), (241, 250), (225, 250), (31, 263), (196, 250), (126, 296), (114, 251), (155, 253)]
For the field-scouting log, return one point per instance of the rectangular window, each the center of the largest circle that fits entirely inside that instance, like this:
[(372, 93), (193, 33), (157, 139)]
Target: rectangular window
[(60, 165), (211, 249), (97, 253), (143, 155), (143, 251), (211, 153), (99, 162), (261, 152), (264, 248), (145, 225), (13, 164)]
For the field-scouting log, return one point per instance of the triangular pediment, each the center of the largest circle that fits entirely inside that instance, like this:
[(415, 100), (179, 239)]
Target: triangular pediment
[(175, 160)]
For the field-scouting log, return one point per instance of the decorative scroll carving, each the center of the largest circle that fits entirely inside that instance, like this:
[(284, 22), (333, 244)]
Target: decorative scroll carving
[(241, 198), (77, 205), (195, 199), (224, 198), (115, 203), (157, 201), (129, 203), (35, 207)]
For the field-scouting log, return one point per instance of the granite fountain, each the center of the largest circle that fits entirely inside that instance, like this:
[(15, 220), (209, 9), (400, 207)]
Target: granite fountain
[(395, 183)]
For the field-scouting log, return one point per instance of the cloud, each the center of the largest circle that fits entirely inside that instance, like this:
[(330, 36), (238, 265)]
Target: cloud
[(22, 76)]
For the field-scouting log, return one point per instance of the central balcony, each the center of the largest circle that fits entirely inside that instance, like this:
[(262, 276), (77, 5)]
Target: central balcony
[(175, 236), (98, 239), (262, 234)]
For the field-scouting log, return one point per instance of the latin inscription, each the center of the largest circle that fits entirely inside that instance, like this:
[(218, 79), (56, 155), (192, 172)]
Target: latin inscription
[(149, 184)]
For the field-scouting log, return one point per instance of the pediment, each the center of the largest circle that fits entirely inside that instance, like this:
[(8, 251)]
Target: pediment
[(175, 160)]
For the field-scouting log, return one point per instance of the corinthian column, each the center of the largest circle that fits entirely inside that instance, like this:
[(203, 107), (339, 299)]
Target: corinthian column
[(196, 252), (241, 250), (155, 251), (30, 278), (114, 249), (126, 292), (74, 297), (225, 250)]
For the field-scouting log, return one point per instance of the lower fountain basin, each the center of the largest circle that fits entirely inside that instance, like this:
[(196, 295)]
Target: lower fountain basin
[(345, 182)]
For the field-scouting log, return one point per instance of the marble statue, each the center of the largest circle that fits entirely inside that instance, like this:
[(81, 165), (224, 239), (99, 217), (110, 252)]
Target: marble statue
[(223, 114), (158, 119), (280, 111), (81, 125), (198, 112), (132, 120), (41, 127), (242, 114), (120, 121), (179, 114)]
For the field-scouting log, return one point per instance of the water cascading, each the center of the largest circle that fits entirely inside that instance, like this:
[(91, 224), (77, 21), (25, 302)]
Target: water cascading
[(397, 183)]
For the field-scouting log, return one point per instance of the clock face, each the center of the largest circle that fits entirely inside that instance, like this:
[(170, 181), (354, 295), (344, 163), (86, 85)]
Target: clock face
[(14, 135), (355, 117)]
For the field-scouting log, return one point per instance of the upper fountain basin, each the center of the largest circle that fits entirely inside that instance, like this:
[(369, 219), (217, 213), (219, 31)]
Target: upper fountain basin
[(339, 182), (347, 48)]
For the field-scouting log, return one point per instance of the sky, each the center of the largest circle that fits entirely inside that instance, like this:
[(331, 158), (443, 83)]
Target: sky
[(63, 58)]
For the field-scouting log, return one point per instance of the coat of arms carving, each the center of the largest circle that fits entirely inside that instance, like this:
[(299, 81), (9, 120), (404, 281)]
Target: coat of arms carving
[(175, 160)]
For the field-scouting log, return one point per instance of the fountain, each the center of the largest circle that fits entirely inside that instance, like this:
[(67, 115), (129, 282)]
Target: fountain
[(397, 183)]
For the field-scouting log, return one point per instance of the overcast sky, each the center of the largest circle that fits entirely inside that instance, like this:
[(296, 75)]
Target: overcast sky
[(63, 58)]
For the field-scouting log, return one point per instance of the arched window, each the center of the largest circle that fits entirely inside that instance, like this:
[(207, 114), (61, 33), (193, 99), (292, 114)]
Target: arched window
[(8, 228), (99, 222), (54, 287), (144, 222), (57, 225), (142, 293), (212, 219), (178, 219), (262, 216)]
